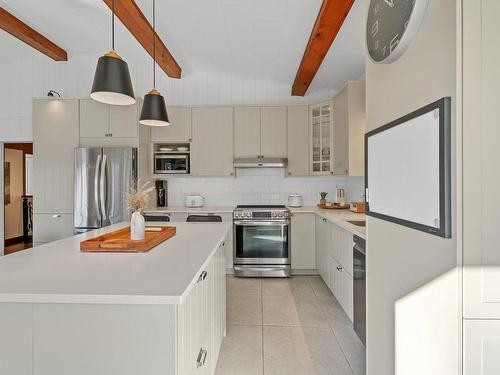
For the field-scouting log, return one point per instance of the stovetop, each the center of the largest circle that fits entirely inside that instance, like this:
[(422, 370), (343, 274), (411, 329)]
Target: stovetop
[(260, 206)]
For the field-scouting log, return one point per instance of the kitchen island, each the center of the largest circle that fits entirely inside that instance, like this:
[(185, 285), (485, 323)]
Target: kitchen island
[(161, 312)]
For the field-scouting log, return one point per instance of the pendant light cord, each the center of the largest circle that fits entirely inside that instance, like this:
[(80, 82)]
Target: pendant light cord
[(154, 45), (113, 25)]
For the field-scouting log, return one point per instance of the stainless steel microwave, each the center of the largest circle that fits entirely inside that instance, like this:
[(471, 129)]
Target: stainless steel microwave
[(166, 163)]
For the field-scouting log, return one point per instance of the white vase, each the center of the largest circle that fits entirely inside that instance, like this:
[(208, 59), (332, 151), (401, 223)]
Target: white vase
[(137, 227)]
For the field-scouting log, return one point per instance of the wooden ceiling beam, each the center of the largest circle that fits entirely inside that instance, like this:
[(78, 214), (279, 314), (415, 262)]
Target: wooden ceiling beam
[(331, 16), (25, 33), (134, 20)]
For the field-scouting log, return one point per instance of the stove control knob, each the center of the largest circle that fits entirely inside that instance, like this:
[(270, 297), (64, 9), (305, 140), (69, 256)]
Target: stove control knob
[(248, 215)]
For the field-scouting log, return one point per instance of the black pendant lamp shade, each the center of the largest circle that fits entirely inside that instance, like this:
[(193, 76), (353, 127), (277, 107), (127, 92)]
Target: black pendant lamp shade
[(154, 111), (112, 84)]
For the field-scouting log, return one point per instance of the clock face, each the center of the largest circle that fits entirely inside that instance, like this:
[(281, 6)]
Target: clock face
[(387, 22)]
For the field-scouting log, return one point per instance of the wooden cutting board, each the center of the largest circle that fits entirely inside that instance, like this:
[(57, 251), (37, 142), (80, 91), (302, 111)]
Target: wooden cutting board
[(334, 207), (119, 241)]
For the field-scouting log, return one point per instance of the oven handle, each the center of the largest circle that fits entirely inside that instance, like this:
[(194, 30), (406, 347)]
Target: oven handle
[(257, 222)]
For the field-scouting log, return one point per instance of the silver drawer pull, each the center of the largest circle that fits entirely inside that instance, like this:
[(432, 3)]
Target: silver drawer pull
[(56, 216), (339, 268), (202, 357), (202, 276)]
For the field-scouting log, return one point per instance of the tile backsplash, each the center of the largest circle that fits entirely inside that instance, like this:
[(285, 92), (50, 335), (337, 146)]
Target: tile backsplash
[(261, 186)]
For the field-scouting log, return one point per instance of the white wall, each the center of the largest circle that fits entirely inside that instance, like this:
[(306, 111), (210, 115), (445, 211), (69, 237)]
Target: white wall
[(413, 296), (261, 186), (23, 80)]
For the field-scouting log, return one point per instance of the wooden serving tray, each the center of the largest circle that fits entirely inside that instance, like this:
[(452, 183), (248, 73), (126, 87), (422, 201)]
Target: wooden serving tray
[(335, 207), (119, 241)]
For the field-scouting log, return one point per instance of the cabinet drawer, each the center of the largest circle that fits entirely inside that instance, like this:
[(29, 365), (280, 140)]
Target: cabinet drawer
[(52, 227)]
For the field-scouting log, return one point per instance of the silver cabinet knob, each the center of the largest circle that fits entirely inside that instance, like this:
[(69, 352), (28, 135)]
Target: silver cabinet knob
[(339, 268)]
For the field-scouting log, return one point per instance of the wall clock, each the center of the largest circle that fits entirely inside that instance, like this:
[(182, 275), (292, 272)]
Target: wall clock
[(390, 27)]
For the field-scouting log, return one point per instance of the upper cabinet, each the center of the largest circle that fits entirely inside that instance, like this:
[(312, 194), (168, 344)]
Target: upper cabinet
[(273, 131), (260, 131), (349, 127), (212, 147), (247, 132), (321, 138), (179, 129), (99, 120), (298, 140)]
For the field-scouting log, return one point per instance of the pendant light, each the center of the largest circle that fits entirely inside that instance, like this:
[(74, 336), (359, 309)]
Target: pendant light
[(112, 84), (154, 111)]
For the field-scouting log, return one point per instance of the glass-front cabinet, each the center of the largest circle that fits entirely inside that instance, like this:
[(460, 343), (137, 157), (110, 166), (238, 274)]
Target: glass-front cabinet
[(321, 138)]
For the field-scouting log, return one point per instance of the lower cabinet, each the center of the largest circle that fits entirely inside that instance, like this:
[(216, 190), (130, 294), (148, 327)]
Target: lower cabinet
[(52, 227), (202, 320), (333, 242), (303, 241), (481, 347)]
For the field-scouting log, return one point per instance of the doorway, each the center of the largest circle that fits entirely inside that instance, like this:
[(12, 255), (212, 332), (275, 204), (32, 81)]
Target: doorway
[(18, 196)]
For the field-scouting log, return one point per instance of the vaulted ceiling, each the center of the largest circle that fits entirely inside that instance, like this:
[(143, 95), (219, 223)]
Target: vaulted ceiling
[(262, 39)]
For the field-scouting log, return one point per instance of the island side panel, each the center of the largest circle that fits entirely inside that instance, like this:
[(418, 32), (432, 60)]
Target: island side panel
[(82, 339), (16, 338)]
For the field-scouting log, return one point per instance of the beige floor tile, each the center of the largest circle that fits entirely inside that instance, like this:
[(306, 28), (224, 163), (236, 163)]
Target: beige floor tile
[(319, 287), (351, 345), (289, 310), (304, 351), (359, 370), (292, 287), (241, 351), (238, 285), (334, 313), (244, 309)]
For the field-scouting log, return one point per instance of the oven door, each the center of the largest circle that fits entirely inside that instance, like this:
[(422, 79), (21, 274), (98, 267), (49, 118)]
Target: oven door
[(171, 164), (261, 242)]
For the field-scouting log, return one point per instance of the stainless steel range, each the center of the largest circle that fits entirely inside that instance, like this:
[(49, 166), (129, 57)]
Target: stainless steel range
[(261, 241)]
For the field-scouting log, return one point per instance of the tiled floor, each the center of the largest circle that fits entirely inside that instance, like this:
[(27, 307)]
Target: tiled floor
[(287, 326)]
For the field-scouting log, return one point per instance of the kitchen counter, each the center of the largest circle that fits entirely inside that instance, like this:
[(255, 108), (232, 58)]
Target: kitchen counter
[(338, 217), (58, 272)]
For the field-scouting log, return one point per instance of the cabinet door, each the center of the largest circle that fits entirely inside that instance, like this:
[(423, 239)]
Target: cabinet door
[(55, 137), (298, 140), (179, 129), (303, 241), (273, 134), (94, 119), (246, 132), (323, 245), (340, 154), (342, 244), (481, 347), (52, 227), (212, 146), (321, 138), (481, 173), (123, 121)]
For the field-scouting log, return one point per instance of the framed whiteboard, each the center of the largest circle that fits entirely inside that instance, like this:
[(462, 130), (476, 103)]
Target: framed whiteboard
[(408, 170)]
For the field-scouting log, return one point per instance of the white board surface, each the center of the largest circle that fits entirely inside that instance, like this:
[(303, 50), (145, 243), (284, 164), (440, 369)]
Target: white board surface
[(403, 170)]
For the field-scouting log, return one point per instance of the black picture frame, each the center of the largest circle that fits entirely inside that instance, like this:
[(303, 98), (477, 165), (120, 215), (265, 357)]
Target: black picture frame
[(445, 222)]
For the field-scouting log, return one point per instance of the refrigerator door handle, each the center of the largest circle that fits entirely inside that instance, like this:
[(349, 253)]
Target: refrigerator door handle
[(101, 188), (96, 184)]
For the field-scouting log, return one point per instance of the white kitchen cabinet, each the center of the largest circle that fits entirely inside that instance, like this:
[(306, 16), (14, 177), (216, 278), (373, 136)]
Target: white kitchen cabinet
[(303, 243), (179, 129), (202, 320), (55, 137), (323, 246), (98, 120), (212, 146), (481, 173), (481, 347), (51, 227), (124, 121), (349, 127), (342, 248), (247, 132), (273, 131), (342, 287), (298, 140), (320, 117)]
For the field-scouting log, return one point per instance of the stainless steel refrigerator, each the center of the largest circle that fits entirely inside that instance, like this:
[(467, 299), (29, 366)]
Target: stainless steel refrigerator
[(103, 177)]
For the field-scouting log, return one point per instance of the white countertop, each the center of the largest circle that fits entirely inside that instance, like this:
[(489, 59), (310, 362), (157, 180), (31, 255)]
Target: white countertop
[(338, 217), (58, 272)]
